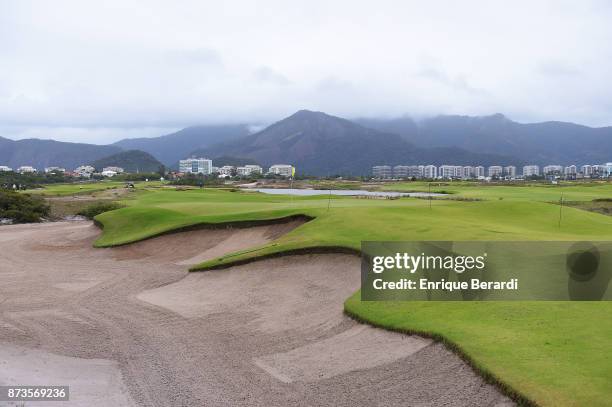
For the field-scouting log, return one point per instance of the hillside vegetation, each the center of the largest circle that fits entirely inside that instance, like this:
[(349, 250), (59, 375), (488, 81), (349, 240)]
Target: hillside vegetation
[(130, 161)]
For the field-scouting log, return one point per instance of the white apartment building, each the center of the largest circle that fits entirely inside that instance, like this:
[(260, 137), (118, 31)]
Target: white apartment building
[(226, 170), (450, 171), (116, 170), (552, 170), (286, 170), (408, 171), (586, 170), (479, 171), (401, 171), (248, 170), (196, 166), (599, 170), (570, 171), (468, 172), (108, 173), (26, 169), (531, 170), (378, 171), (608, 169), (85, 171), (430, 171), (4, 168), (510, 171), (495, 171), (54, 169)]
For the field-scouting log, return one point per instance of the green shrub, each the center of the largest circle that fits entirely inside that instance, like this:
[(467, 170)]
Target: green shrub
[(97, 208), (22, 208)]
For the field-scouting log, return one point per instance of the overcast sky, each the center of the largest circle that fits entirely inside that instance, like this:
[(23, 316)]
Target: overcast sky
[(98, 71)]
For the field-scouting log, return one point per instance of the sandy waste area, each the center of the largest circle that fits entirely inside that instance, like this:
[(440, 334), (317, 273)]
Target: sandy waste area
[(130, 326)]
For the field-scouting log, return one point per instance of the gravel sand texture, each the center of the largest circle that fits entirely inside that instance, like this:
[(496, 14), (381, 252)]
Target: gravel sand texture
[(269, 333)]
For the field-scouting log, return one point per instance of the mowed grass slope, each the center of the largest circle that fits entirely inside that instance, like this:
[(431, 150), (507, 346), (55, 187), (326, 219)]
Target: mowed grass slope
[(553, 353)]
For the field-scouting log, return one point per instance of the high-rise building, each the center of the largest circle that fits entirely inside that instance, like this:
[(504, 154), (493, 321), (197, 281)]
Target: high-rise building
[(196, 166), (479, 171), (531, 170)]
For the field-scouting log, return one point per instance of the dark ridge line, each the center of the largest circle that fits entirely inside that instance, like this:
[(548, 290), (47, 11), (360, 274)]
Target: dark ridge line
[(239, 224), (486, 375)]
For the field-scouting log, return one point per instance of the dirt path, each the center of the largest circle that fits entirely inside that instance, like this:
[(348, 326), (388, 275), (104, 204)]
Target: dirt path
[(130, 326)]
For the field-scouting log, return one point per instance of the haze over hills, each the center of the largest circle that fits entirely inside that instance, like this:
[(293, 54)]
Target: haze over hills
[(319, 144), (538, 143), (170, 148), (45, 153)]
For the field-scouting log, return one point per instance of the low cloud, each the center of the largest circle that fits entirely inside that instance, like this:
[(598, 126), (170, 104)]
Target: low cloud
[(206, 63)]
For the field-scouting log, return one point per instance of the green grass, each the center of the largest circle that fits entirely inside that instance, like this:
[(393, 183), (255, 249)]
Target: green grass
[(83, 188), (552, 353)]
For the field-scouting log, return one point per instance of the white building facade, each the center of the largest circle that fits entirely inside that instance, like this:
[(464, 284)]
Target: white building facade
[(116, 170), (552, 170), (531, 170), (495, 171), (285, 170), (196, 166), (510, 171), (54, 169), (26, 169), (248, 170), (430, 171)]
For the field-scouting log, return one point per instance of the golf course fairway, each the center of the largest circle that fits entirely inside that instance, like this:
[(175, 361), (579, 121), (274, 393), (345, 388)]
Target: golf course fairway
[(546, 353)]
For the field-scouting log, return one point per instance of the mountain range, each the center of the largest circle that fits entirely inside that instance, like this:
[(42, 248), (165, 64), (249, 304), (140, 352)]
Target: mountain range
[(543, 143), (170, 148), (47, 153), (320, 144)]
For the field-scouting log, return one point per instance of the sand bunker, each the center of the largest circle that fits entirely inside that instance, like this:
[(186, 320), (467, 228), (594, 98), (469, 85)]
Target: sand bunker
[(92, 382), (196, 246), (269, 333)]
